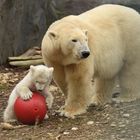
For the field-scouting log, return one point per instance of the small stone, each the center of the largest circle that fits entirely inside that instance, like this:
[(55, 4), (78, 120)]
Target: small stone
[(117, 86), (90, 122), (6, 69), (113, 137), (107, 105), (122, 125), (113, 125), (108, 118), (127, 121), (123, 132), (66, 133), (74, 128), (22, 134), (58, 137), (126, 115)]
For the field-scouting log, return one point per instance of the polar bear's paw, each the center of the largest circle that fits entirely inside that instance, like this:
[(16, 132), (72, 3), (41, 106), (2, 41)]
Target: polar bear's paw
[(71, 112), (10, 120), (26, 95)]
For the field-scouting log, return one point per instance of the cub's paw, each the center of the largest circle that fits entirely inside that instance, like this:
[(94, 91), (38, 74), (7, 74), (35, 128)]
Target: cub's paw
[(26, 95), (49, 102), (10, 120), (46, 117)]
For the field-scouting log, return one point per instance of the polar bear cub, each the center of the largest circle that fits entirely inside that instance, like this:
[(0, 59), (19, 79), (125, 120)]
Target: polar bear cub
[(37, 79)]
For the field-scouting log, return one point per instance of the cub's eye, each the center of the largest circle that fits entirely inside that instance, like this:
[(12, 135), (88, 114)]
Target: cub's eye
[(74, 40)]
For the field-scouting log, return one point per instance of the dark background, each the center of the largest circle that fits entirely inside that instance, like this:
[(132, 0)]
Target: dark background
[(24, 22)]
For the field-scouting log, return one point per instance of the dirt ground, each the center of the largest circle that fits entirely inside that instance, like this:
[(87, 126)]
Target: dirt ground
[(111, 122)]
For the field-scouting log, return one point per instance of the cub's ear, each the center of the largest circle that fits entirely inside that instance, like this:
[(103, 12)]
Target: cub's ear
[(32, 68), (52, 34), (85, 31)]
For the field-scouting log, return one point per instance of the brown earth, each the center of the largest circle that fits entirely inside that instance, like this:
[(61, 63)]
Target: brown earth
[(111, 122)]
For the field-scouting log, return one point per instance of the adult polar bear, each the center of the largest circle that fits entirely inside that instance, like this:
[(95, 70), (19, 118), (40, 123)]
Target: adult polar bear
[(103, 43)]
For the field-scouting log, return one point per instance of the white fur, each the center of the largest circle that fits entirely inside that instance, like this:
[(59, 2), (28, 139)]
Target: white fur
[(113, 39), (38, 78)]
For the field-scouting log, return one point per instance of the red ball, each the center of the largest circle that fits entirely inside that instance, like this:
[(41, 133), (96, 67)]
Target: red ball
[(32, 110)]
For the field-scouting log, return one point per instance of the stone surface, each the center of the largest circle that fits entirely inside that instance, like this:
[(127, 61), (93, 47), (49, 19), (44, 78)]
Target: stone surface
[(24, 22)]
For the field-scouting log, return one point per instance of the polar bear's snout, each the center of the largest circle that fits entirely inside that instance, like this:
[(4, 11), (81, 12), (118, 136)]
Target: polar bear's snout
[(85, 54), (84, 51)]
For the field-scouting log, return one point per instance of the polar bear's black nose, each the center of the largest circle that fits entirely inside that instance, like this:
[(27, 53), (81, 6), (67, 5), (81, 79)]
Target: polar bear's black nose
[(85, 54)]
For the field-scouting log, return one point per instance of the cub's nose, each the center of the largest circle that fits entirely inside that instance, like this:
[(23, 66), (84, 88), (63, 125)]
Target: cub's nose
[(40, 90), (85, 54)]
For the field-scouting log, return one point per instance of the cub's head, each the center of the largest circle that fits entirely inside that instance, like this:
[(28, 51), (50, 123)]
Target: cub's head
[(70, 42), (41, 76)]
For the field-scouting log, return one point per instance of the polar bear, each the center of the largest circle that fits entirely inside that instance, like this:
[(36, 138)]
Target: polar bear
[(101, 44), (37, 79)]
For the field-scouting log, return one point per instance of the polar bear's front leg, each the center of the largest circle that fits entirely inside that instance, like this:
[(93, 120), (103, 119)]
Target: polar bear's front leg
[(79, 93), (103, 91), (49, 101), (24, 92), (59, 77), (49, 97), (9, 114)]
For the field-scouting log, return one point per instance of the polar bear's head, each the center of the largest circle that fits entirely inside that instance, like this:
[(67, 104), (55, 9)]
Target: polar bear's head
[(41, 76), (70, 42)]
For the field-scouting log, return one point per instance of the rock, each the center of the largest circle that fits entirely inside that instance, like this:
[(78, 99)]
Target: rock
[(113, 125), (126, 115), (66, 133), (90, 122), (122, 125), (74, 128), (123, 132)]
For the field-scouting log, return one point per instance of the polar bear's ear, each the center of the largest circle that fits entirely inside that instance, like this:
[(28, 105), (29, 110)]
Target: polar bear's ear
[(32, 68), (52, 34), (85, 31)]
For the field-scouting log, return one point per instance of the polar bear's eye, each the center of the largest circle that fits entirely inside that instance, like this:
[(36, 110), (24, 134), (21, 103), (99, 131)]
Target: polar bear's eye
[(74, 40), (40, 82)]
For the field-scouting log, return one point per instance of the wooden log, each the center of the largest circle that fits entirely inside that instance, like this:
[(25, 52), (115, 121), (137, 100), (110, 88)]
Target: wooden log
[(32, 51), (20, 58), (26, 63)]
